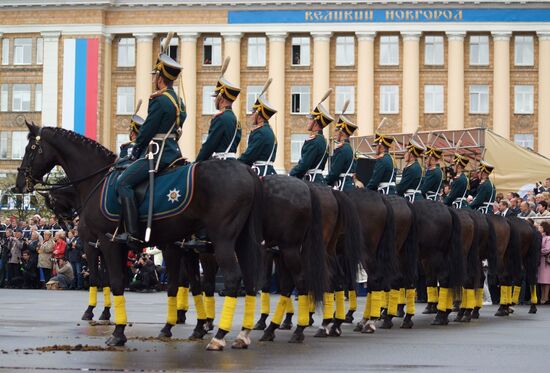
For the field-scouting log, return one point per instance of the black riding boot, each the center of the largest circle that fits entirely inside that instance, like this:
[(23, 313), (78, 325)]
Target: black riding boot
[(130, 215), (199, 243)]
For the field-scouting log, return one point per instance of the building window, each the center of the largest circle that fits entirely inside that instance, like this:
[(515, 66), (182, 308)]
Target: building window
[(21, 97), (433, 99), (125, 100), (523, 98), (300, 99), (256, 51), (38, 97), (389, 50), (18, 144), (252, 93), (523, 50), (121, 138), (479, 99), (479, 50), (4, 145), (389, 99), (5, 51), (300, 51), (22, 51), (343, 93), (172, 48), (527, 140), (39, 51), (208, 104), (433, 50), (345, 51), (126, 52), (212, 51), (296, 143), (4, 97)]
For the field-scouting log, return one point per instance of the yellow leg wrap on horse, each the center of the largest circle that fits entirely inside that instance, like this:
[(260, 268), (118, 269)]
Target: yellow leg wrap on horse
[(442, 303), (172, 312), (280, 310), (411, 297), (534, 296), (470, 299), (402, 298), (352, 300), (433, 295), (375, 304), (120, 310), (515, 294), (340, 305), (368, 300), (106, 296), (303, 310), (311, 304), (463, 300), (92, 294), (249, 308), (264, 299), (503, 295), (385, 301), (328, 305), (510, 294), (210, 305), (183, 298), (290, 306), (450, 299), (229, 305), (199, 307), (392, 304), (479, 297)]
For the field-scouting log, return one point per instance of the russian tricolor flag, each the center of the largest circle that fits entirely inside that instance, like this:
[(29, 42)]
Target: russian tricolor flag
[(80, 83)]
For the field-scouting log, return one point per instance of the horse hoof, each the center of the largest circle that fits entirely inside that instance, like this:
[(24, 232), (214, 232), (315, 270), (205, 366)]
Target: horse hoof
[(407, 324), (386, 324), (198, 334), (335, 332), (286, 326), (88, 315), (209, 325), (268, 336), (297, 338), (510, 310), (165, 334), (501, 312), (181, 317), (116, 341), (321, 333), (533, 309), (260, 325), (360, 325), (216, 345), (105, 315), (369, 328), (439, 321), (475, 313), (349, 318), (430, 309), (242, 341)]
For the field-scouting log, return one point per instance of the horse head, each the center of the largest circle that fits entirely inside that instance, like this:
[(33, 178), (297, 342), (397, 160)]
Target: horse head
[(39, 159)]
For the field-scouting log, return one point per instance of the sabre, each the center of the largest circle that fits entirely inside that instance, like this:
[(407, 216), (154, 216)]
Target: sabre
[(166, 43), (266, 86), (225, 65), (331, 146), (151, 160)]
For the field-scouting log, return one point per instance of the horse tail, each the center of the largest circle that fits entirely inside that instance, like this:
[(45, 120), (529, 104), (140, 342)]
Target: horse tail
[(533, 257), (456, 257), (353, 236), (472, 263), (513, 252), (386, 255), (492, 245), (411, 250), (314, 252)]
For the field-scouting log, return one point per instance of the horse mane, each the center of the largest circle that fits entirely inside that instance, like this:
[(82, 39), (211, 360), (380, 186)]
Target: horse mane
[(85, 141)]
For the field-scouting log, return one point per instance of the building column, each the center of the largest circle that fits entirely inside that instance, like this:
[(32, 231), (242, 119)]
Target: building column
[(455, 80), (50, 78), (106, 127), (276, 94), (232, 48), (321, 69), (188, 59), (544, 94), (144, 65), (411, 81), (501, 83), (365, 83)]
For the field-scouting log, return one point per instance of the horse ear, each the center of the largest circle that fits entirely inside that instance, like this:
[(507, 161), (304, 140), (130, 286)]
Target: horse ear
[(33, 128)]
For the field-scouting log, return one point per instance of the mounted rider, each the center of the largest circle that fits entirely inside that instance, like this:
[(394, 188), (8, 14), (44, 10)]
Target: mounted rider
[(383, 176), (432, 181), (165, 116), (314, 152), (486, 191), (135, 125), (460, 185), (409, 186), (224, 134), (342, 166), (262, 144)]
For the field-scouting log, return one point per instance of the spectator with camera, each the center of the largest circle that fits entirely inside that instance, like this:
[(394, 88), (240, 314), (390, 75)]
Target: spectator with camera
[(145, 275), (27, 276), (64, 277), (45, 263)]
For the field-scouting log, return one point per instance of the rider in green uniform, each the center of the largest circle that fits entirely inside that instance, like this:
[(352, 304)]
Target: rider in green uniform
[(432, 181), (342, 166), (383, 176), (460, 185), (409, 186), (486, 192), (126, 149), (314, 153), (166, 114), (262, 144)]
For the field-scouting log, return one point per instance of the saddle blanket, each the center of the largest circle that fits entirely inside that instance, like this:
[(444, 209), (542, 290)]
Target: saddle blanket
[(172, 195)]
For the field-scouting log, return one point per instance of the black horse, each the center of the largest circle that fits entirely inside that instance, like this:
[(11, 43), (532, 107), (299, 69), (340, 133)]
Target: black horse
[(228, 211)]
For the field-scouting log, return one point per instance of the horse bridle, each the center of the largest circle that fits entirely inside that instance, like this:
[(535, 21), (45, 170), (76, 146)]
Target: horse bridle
[(30, 181)]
